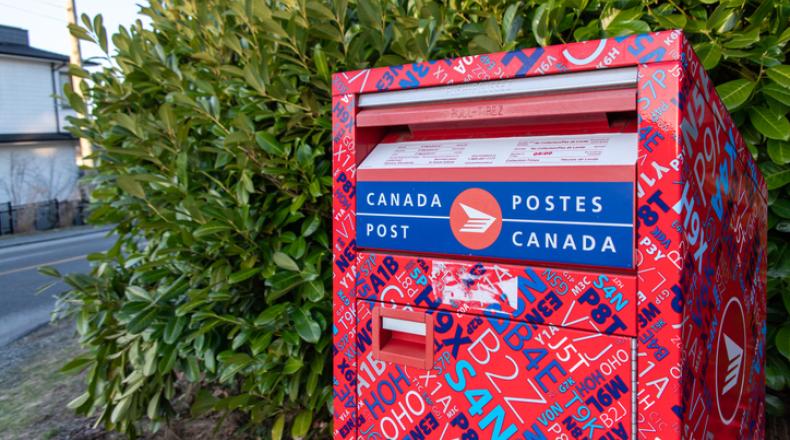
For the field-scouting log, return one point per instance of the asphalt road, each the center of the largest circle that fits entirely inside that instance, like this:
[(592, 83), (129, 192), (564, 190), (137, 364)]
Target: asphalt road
[(21, 309)]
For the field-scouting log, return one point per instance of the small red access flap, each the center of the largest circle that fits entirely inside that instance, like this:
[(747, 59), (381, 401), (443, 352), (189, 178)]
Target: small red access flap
[(576, 103), (403, 336)]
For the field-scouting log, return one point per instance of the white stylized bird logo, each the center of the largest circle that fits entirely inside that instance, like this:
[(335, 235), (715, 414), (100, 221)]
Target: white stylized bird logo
[(735, 356), (478, 221)]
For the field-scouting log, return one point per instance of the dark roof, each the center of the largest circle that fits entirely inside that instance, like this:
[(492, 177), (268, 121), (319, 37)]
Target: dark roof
[(33, 137), (14, 35), (31, 52)]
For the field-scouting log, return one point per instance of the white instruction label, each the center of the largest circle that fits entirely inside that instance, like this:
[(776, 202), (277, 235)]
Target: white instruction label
[(541, 151)]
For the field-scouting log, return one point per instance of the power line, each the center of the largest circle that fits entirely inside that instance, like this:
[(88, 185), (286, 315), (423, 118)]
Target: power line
[(54, 5), (60, 20)]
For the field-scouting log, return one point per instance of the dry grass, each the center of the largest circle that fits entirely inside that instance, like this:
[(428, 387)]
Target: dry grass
[(33, 395)]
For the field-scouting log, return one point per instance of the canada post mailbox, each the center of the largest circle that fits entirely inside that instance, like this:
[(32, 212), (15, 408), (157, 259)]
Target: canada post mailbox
[(555, 243)]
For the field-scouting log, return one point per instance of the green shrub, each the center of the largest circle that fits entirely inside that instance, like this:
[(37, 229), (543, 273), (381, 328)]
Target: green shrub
[(214, 123)]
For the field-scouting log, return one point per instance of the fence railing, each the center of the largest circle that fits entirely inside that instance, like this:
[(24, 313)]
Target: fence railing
[(42, 216)]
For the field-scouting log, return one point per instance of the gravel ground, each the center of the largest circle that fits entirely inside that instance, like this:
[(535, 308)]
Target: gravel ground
[(33, 395)]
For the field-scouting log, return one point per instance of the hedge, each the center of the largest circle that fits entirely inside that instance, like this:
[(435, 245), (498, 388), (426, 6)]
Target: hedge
[(213, 123)]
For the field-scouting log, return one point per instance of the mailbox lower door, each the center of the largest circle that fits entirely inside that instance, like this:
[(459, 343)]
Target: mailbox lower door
[(431, 374)]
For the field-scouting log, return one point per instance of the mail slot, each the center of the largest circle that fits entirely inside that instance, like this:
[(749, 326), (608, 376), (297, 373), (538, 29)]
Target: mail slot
[(559, 242)]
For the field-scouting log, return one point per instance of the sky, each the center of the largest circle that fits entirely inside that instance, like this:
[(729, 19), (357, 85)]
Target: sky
[(46, 22)]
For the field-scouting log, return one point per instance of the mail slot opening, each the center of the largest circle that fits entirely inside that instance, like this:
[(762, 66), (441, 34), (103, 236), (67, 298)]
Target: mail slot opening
[(616, 122), (403, 336), (518, 110), (395, 339)]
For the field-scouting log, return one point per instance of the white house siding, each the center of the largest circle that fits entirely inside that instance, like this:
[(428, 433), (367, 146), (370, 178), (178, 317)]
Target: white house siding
[(26, 104), (37, 171)]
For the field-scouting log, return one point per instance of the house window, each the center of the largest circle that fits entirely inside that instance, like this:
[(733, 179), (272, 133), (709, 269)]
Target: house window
[(63, 79)]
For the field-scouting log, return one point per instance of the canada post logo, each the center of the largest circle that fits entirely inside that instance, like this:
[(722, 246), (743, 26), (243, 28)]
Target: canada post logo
[(476, 218), (730, 360)]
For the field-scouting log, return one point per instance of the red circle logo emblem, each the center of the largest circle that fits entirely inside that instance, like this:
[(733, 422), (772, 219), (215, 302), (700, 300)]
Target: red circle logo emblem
[(731, 360), (475, 218)]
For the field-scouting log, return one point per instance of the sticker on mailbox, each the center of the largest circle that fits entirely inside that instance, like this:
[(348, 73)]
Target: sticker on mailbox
[(574, 219)]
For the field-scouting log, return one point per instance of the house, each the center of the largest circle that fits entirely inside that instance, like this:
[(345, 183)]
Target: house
[(38, 157)]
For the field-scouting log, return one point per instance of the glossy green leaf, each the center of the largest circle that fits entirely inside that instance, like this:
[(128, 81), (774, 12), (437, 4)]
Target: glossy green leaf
[(192, 369), (784, 36), (709, 54), (270, 314), (269, 144), (277, 427), (782, 341), (242, 275), (281, 259), (781, 208), (734, 93), (120, 409), (486, 43), (777, 92), (314, 290), (49, 271), (173, 329), (79, 401), (137, 293), (301, 424), (779, 151), (511, 22), (780, 74), (722, 19), (775, 376), (742, 39), (370, 13), (292, 365), (149, 362), (770, 123), (776, 176), (540, 23), (305, 326), (209, 229), (76, 365), (131, 186), (672, 21)]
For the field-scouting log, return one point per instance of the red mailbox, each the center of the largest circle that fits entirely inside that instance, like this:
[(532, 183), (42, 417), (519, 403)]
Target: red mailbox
[(564, 242)]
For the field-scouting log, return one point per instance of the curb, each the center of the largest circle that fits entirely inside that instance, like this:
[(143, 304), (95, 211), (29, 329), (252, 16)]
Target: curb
[(38, 239)]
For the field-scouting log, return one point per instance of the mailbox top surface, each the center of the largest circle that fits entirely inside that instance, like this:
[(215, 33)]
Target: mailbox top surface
[(572, 57)]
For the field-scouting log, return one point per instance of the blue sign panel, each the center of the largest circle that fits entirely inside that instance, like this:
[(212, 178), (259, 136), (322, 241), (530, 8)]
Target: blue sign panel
[(588, 223)]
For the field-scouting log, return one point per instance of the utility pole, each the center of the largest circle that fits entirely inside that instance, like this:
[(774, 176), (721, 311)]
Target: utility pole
[(86, 148)]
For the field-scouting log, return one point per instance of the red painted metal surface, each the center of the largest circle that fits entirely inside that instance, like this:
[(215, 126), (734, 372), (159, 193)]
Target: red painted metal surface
[(489, 110)]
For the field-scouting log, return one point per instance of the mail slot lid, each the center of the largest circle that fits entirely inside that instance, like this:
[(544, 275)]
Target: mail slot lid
[(490, 110), (558, 199), (491, 378)]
